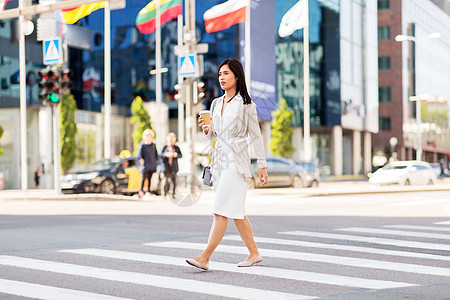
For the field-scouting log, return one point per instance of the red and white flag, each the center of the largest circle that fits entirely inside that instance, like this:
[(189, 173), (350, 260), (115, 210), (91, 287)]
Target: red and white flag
[(223, 16), (3, 4)]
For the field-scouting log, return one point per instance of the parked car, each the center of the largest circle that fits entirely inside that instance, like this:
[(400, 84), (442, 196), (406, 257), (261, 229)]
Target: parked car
[(281, 171), (108, 176), (312, 174), (404, 173)]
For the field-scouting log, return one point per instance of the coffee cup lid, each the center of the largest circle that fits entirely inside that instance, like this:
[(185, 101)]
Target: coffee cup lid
[(205, 112)]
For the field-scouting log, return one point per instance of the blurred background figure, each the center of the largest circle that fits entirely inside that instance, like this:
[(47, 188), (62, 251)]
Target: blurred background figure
[(37, 177), (170, 154), (148, 157)]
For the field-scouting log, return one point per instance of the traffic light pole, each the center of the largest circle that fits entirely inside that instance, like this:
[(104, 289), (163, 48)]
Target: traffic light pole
[(56, 150)]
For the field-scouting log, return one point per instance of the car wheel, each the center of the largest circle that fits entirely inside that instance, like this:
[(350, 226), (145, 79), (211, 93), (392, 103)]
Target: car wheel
[(407, 182), (251, 184), (297, 182), (430, 182), (314, 184), (107, 187)]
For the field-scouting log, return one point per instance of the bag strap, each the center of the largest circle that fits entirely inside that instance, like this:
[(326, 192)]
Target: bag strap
[(213, 141)]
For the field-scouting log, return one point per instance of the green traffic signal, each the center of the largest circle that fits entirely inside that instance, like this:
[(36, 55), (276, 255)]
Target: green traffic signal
[(53, 97)]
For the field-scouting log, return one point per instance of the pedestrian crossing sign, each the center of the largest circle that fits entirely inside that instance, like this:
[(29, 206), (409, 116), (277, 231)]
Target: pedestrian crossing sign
[(187, 65), (52, 51)]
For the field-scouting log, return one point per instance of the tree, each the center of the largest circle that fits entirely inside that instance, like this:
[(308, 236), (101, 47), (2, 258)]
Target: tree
[(1, 133), (68, 131), (281, 142), (141, 120)]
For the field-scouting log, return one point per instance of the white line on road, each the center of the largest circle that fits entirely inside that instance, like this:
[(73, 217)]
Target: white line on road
[(37, 291), (397, 232), (443, 223), (195, 286), (373, 240), (262, 271), (341, 247), (418, 227), (323, 258)]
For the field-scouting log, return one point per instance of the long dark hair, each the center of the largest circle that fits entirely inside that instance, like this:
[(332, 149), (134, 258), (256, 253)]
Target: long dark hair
[(236, 67)]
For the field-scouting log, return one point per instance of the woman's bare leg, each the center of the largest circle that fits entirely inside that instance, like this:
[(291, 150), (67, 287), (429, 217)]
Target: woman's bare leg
[(245, 230), (218, 229)]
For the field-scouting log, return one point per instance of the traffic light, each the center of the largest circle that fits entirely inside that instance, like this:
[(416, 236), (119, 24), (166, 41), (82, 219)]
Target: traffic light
[(199, 91), (66, 80), (49, 85)]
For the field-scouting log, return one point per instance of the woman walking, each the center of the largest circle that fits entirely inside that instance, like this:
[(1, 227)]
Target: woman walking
[(233, 120)]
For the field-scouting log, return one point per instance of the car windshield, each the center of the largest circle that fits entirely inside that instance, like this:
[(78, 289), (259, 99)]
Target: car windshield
[(102, 164), (397, 167)]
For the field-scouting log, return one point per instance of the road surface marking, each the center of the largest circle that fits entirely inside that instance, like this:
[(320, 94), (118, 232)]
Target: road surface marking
[(443, 223), (263, 240), (373, 240), (397, 232), (37, 291), (418, 227), (260, 270), (195, 286), (305, 256)]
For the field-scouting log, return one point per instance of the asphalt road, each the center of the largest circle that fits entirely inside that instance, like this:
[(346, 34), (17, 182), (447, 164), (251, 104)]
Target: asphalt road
[(380, 246)]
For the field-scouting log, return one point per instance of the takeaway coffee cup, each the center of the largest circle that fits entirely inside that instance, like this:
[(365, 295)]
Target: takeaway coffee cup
[(206, 115)]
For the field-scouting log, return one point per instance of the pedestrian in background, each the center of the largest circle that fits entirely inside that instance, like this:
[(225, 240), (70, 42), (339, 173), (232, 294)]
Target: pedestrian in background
[(148, 157), (37, 177), (234, 119), (170, 154)]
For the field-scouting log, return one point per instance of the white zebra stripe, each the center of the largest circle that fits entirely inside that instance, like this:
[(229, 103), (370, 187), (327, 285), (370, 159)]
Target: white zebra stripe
[(442, 223), (264, 240), (260, 270), (397, 232), (331, 259), (195, 286), (372, 240), (37, 291), (433, 228)]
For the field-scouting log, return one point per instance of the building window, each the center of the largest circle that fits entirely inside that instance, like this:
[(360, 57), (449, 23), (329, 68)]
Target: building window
[(384, 123), (383, 33), (384, 63), (384, 94), (383, 4)]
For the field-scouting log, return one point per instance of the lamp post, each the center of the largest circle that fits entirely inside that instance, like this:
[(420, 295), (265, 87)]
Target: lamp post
[(408, 38)]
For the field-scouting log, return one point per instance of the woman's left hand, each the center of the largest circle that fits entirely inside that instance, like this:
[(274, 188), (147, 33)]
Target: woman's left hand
[(263, 178)]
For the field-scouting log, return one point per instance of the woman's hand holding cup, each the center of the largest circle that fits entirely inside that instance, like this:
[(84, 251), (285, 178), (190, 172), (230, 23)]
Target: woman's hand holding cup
[(204, 120)]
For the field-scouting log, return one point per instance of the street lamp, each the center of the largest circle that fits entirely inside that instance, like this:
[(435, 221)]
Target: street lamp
[(405, 38), (418, 98)]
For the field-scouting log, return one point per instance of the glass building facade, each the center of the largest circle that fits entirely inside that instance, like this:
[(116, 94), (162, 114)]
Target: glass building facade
[(276, 73)]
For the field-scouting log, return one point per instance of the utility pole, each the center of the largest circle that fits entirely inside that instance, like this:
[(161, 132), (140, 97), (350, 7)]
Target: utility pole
[(190, 41)]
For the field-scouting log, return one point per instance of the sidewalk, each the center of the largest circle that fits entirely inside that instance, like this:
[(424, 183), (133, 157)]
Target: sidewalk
[(329, 188)]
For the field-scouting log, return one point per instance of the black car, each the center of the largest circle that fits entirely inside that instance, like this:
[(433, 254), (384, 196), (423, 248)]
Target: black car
[(108, 176), (282, 173)]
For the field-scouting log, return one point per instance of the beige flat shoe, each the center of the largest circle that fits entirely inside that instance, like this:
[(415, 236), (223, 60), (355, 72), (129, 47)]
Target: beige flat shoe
[(196, 264), (249, 263)]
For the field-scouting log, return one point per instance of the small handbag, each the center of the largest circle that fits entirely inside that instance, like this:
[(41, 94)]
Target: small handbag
[(207, 176)]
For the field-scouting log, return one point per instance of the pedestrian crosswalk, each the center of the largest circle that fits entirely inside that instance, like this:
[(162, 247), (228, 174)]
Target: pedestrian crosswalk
[(365, 259)]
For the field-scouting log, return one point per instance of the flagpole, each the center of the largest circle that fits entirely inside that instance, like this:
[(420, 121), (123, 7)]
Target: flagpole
[(306, 104), (158, 75), (180, 81), (247, 49), (107, 54)]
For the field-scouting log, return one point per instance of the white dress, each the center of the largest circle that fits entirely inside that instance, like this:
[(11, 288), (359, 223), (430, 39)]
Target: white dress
[(230, 185)]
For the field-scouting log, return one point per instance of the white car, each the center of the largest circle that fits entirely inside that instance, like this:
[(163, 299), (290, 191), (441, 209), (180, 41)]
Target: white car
[(404, 173)]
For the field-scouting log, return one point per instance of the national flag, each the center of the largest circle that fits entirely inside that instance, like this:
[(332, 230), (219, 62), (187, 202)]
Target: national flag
[(223, 16), (294, 19), (72, 15), (3, 4), (168, 9)]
